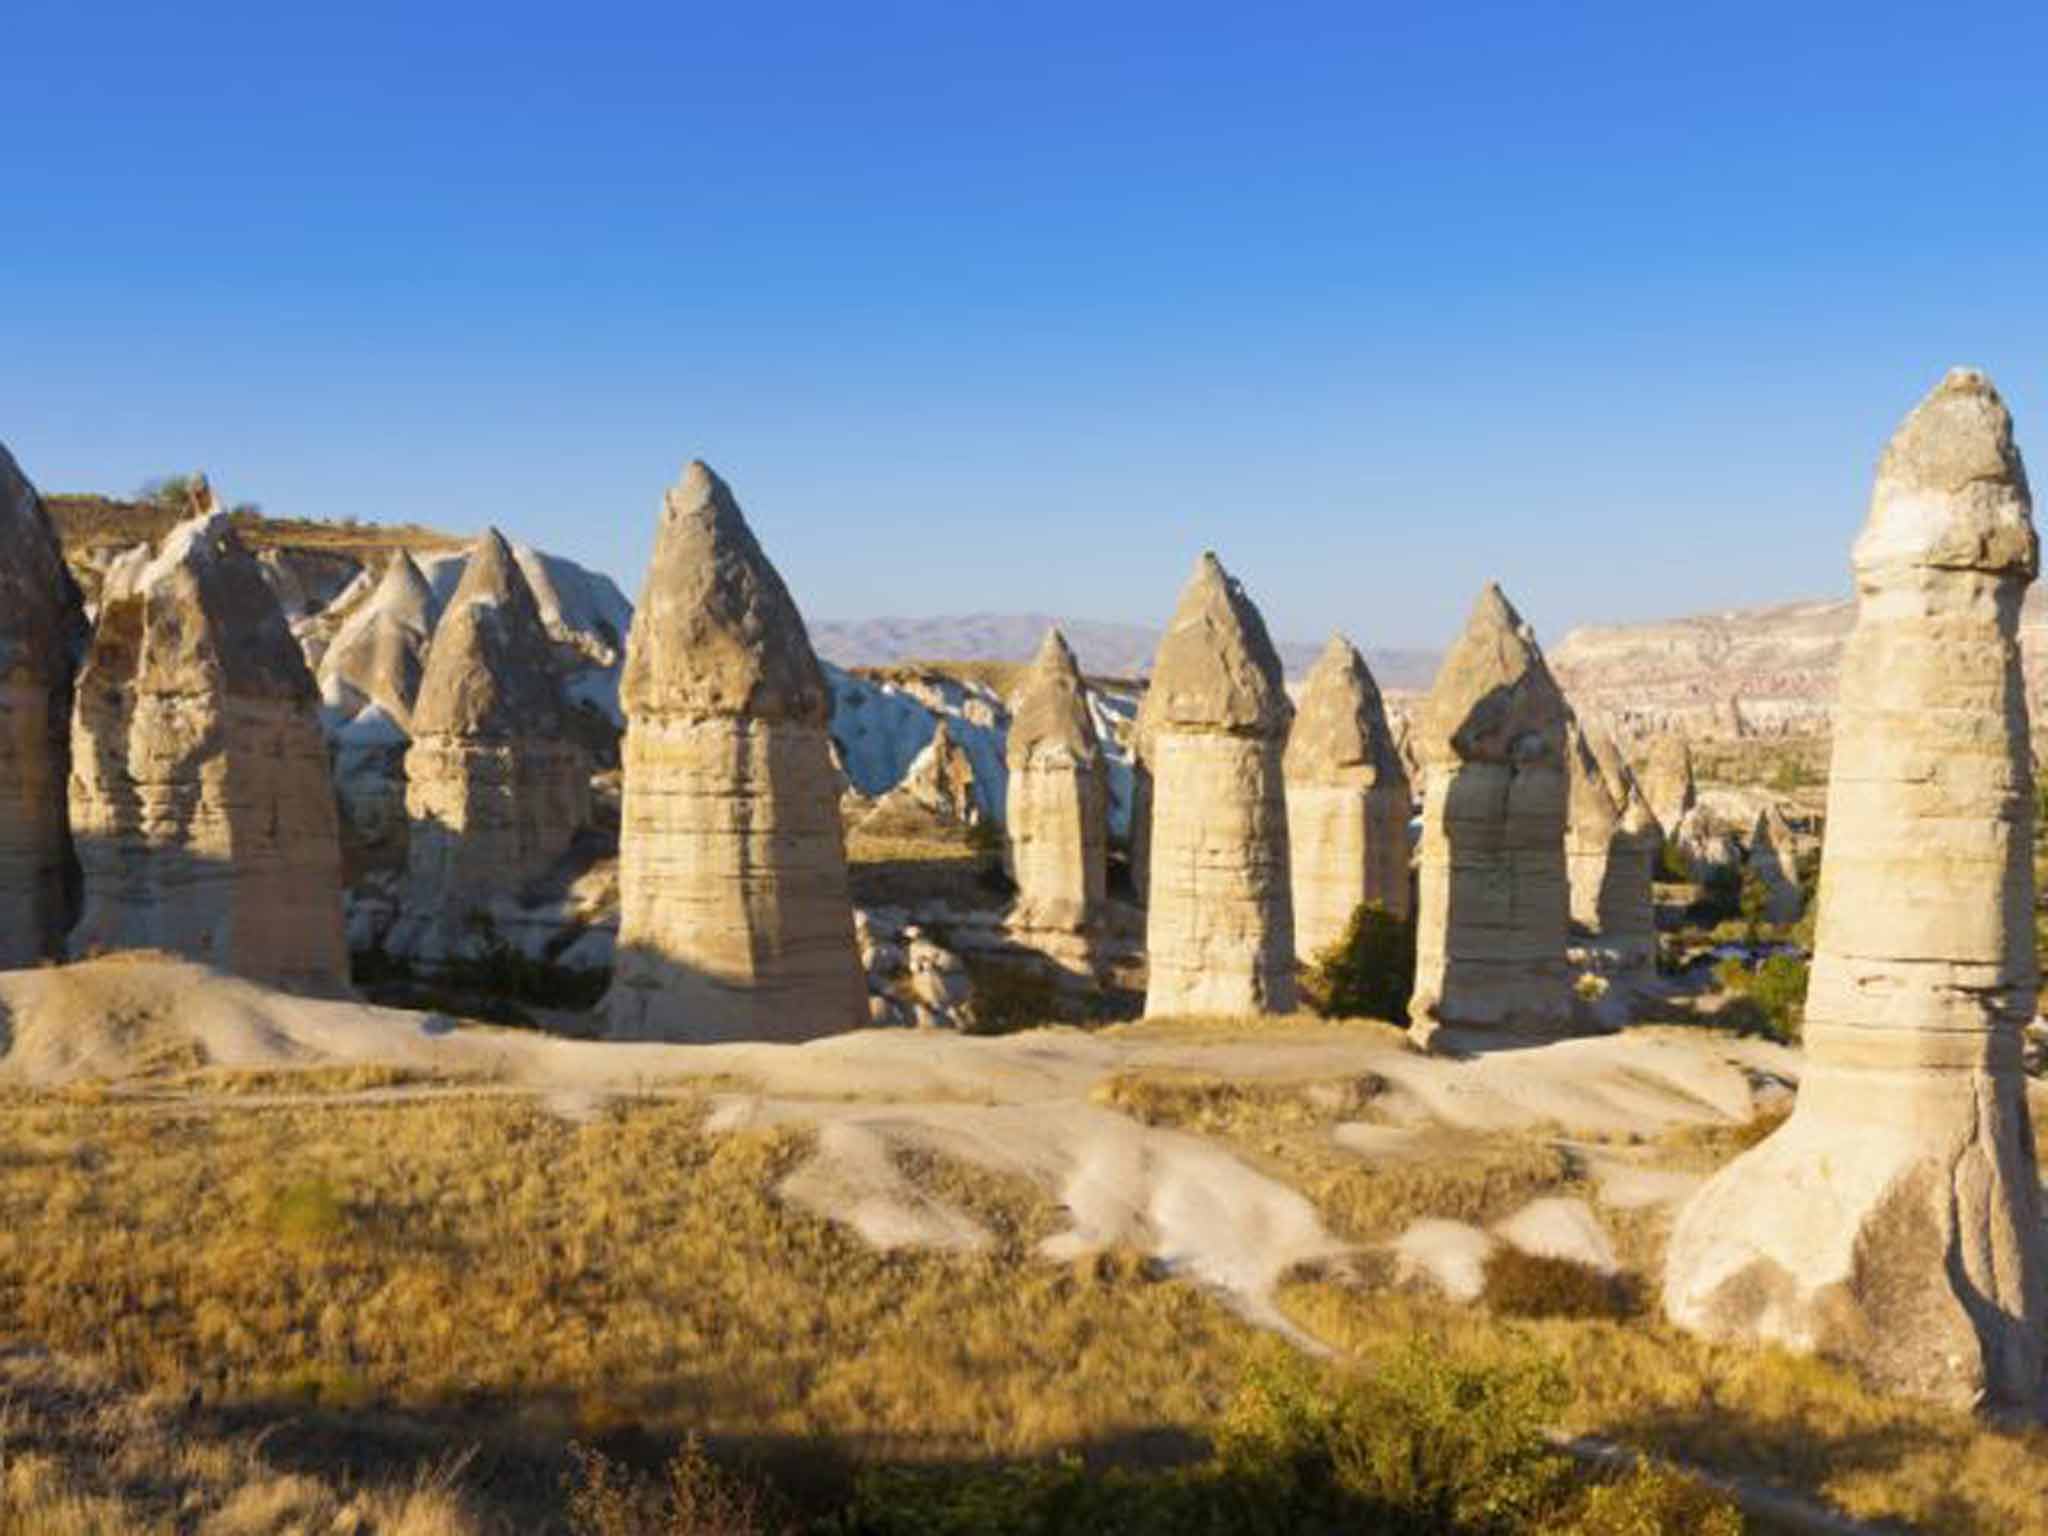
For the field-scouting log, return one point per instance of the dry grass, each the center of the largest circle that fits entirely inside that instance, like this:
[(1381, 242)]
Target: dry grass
[(81, 1457), (481, 1255), (1285, 1128), (1753, 1412)]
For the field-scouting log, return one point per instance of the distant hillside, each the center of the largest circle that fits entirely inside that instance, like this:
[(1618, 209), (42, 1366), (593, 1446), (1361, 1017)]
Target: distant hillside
[(1104, 650)]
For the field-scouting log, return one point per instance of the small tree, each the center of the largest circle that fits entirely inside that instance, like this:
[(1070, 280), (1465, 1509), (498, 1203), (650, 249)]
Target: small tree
[(1369, 973)]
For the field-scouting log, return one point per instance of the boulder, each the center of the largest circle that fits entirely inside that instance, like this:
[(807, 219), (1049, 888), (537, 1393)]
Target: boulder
[(1220, 924), (1348, 802), (735, 918), (1493, 895), (201, 801), (1895, 1219)]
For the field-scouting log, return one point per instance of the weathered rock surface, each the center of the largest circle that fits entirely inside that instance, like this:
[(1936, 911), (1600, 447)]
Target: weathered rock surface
[(1348, 801), (1770, 857), (201, 804), (735, 918), (1220, 925), (379, 654), (1611, 845), (42, 629), (1493, 896), (494, 792), (1667, 780), (1895, 1219), (1057, 816)]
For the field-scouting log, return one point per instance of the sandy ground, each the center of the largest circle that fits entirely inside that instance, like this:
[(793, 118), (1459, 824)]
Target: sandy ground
[(1019, 1105)]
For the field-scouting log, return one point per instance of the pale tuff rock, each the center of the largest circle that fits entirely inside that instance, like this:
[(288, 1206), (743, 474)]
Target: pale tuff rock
[(735, 920), (379, 655), (1772, 860), (1611, 845), (200, 799), (1895, 1219), (1220, 929), (42, 629), (1057, 815), (1493, 897), (494, 793), (937, 790), (1667, 780), (1347, 802)]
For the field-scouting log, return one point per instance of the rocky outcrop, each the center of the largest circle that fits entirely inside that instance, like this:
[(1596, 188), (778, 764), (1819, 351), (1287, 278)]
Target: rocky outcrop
[(1493, 897), (42, 629), (735, 919), (201, 803), (1611, 845), (938, 791), (1667, 780), (494, 792), (1895, 1219), (1057, 817), (1348, 802), (1220, 927), (1771, 859), (378, 656)]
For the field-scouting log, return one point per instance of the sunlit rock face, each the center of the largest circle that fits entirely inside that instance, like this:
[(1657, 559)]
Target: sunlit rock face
[(1219, 922), (735, 917), (42, 629), (494, 792), (1492, 891), (1347, 802), (1057, 810), (1611, 845), (201, 802), (1895, 1219)]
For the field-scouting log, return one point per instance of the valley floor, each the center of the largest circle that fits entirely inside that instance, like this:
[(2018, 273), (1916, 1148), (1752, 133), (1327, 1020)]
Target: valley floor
[(268, 1264)]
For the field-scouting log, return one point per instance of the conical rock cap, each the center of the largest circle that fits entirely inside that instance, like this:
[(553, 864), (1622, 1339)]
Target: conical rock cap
[(1951, 492), (1340, 725), (1494, 699), (42, 616), (1216, 669), (1050, 709), (490, 671), (716, 632)]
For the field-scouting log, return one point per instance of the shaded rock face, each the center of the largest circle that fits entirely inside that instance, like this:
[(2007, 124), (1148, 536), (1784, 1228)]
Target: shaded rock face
[(1348, 802), (494, 793), (1611, 846), (1895, 1218), (201, 803), (1219, 924), (735, 919), (1057, 811), (1493, 896), (42, 630), (378, 657), (1771, 860), (1667, 780)]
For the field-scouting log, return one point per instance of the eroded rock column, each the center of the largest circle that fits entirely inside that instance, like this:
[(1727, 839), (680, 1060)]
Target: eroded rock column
[(494, 792), (1347, 802), (1219, 923), (735, 919), (201, 802), (1611, 846), (1895, 1219), (1057, 810), (1493, 897), (42, 628)]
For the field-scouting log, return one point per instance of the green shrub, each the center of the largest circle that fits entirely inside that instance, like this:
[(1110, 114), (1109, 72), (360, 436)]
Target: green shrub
[(1009, 997), (1522, 1284), (1720, 896), (1672, 864), (1369, 973), (694, 1497), (1770, 1000)]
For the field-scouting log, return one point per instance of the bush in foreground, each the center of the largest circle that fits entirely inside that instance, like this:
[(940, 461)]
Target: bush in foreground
[(1369, 973)]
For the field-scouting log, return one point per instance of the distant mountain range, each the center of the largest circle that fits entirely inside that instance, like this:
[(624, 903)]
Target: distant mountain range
[(1104, 650)]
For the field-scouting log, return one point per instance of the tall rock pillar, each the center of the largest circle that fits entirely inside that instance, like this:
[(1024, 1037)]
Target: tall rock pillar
[(735, 920), (1219, 922), (1895, 1219), (1491, 919), (1057, 811)]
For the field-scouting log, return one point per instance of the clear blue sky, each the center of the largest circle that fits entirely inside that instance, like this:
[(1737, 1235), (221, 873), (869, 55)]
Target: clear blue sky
[(998, 306)]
